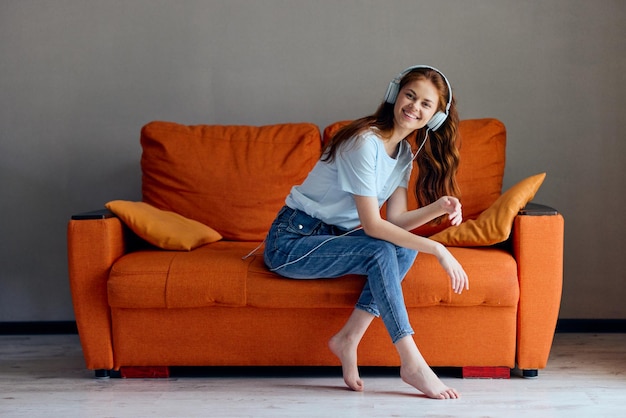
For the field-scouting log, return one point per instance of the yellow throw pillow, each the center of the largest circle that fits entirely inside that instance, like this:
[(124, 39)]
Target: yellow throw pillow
[(494, 224), (164, 229)]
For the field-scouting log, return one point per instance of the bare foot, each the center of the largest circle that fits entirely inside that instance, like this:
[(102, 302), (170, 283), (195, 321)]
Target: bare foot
[(425, 380), (346, 352)]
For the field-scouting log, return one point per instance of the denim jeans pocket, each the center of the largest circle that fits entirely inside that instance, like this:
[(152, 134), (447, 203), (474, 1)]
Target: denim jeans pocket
[(302, 224)]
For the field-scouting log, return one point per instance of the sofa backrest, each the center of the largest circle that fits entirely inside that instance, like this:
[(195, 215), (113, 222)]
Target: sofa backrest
[(482, 148), (236, 178), (232, 178)]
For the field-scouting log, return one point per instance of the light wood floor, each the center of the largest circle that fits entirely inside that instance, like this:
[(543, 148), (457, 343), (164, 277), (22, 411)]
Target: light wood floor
[(45, 376)]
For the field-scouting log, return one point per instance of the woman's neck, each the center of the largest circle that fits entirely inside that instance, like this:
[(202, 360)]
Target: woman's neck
[(393, 139)]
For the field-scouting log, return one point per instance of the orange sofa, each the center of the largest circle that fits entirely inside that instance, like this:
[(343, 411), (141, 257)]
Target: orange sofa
[(138, 305)]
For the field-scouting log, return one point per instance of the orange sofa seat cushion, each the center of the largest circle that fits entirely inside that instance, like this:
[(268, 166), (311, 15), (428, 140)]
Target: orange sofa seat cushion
[(492, 272), (215, 275), (231, 178), (211, 275), (482, 148)]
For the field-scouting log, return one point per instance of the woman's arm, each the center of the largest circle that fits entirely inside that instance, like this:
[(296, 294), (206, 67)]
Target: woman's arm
[(377, 227), (398, 213)]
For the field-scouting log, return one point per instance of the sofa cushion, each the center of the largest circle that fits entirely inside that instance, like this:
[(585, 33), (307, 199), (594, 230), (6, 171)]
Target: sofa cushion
[(215, 275), (481, 167), (482, 144), (210, 275), (492, 274), (494, 224), (269, 290), (164, 229), (232, 178)]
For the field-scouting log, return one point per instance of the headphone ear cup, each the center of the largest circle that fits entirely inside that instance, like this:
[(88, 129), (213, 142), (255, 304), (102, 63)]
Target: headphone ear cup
[(436, 121), (392, 92)]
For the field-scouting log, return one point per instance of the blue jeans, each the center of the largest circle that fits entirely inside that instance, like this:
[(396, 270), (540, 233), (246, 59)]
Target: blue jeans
[(301, 247)]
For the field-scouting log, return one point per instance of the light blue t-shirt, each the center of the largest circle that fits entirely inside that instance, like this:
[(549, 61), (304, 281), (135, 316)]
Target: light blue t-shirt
[(362, 167)]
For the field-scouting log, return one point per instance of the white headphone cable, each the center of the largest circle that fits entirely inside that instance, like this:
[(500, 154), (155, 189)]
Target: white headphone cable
[(315, 248)]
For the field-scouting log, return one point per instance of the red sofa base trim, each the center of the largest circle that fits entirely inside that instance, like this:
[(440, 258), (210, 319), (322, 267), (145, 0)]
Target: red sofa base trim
[(486, 372), (145, 372)]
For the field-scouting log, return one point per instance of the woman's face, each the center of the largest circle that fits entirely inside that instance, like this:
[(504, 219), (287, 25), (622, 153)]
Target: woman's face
[(417, 102)]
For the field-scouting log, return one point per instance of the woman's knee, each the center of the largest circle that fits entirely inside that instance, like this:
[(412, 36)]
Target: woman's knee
[(406, 255), (406, 258), (386, 251), (385, 259), (406, 252)]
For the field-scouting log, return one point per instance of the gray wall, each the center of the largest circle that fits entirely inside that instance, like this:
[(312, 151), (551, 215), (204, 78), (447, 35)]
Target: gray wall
[(79, 78)]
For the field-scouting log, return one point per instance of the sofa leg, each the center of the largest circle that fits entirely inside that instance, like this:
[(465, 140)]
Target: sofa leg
[(486, 372), (102, 374), (145, 372), (530, 373)]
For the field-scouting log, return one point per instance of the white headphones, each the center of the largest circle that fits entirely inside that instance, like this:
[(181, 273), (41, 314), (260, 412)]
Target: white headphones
[(394, 86)]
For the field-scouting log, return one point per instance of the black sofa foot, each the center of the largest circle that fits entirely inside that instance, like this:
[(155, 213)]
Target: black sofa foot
[(105, 374), (530, 373)]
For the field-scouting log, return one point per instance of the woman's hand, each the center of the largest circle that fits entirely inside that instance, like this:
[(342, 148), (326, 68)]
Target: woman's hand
[(452, 206), (458, 277)]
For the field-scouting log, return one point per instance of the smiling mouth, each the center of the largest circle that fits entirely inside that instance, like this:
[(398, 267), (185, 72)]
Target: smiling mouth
[(409, 115)]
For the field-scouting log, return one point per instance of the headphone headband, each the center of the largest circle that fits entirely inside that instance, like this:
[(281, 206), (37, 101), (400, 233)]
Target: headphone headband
[(394, 87)]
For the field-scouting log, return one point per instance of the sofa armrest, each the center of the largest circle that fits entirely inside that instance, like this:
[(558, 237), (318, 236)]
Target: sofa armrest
[(538, 248), (537, 209), (95, 240), (94, 214)]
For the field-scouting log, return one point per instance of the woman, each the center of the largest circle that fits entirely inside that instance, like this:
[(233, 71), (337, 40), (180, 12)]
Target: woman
[(331, 224)]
